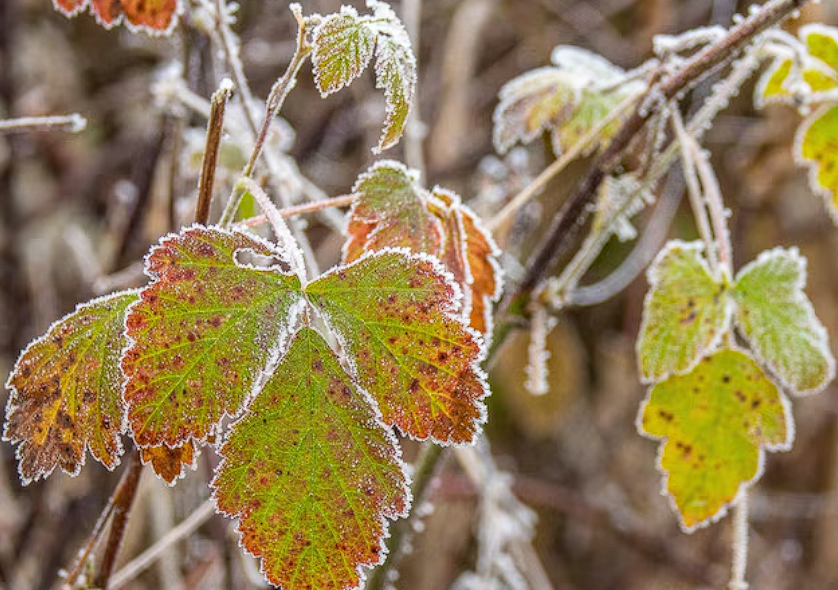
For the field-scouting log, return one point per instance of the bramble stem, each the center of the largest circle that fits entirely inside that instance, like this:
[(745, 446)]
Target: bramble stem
[(119, 505), (215, 126), (577, 208)]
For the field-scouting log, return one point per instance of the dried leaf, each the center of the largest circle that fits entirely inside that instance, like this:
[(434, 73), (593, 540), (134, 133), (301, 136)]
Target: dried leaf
[(170, 463), (66, 391), (155, 17)]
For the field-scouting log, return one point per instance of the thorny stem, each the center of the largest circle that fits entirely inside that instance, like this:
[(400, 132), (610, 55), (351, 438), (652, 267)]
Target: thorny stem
[(341, 201), (740, 544), (215, 126), (576, 209), (119, 505), (424, 470), (73, 123)]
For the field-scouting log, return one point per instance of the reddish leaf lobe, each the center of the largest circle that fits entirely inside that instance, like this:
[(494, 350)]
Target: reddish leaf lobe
[(170, 463), (398, 318), (202, 332), (151, 16)]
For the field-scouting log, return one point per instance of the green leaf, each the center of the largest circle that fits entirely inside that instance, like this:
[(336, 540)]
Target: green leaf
[(390, 210), (822, 43), (395, 73), (202, 332), (312, 473), (815, 147), (715, 422), (779, 322), (397, 318), (343, 46), (66, 391), (685, 313)]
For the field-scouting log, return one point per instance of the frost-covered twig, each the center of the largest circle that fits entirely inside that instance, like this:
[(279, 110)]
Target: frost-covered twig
[(740, 544), (73, 123)]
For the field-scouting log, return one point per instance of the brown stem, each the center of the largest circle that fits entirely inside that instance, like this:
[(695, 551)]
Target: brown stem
[(576, 209), (122, 500), (215, 126)]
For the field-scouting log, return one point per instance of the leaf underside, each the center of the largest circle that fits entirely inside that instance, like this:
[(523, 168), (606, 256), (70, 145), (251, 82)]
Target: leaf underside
[(66, 391), (714, 423), (779, 322), (202, 332), (685, 313), (311, 473), (396, 318)]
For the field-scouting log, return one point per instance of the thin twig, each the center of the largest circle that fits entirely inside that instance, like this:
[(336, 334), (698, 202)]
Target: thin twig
[(215, 127), (73, 123), (312, 207), (140, 563)]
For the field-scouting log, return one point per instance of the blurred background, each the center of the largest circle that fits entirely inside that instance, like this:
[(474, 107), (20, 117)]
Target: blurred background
[(77, 208)]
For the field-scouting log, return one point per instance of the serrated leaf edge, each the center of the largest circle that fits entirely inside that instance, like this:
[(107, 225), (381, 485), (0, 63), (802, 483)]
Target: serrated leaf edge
[(786, 445), (800, 298), (121, 20), (653, 279), (10, 404), (454, 313)]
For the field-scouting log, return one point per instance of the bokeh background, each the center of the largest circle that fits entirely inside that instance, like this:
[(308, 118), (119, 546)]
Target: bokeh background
[(76, 208)]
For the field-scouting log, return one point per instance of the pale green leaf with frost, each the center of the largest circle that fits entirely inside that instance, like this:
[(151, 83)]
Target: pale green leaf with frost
[(714, 423), (779, 322), (685, 313), (343, 46)]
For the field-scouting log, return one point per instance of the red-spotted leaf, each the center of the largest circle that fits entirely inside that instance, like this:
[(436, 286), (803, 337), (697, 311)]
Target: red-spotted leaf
[(311, 473), (397, 317), (170, 463), (714, 423), (66, 391), (156, 17), (202, 332), (390, 210)]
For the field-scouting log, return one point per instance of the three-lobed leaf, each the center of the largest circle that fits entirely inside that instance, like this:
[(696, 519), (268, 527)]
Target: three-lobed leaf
[(779, 322), (685, 314), (202, 332), (66, 391), (312, 473), (155, 17), (396, 316), (714, 422)]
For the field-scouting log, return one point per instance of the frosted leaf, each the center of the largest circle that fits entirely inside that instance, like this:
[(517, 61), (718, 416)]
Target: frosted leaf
[(815, 148), (312, 474), (202, 332), (170, 463), (397, 318), (714, 423), (620, 199), (685, 314), (779, 322), (343, 46), (587, 66), (66, 391)]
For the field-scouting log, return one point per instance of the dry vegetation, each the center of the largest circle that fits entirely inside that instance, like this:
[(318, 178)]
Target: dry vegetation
[(74, 209)]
